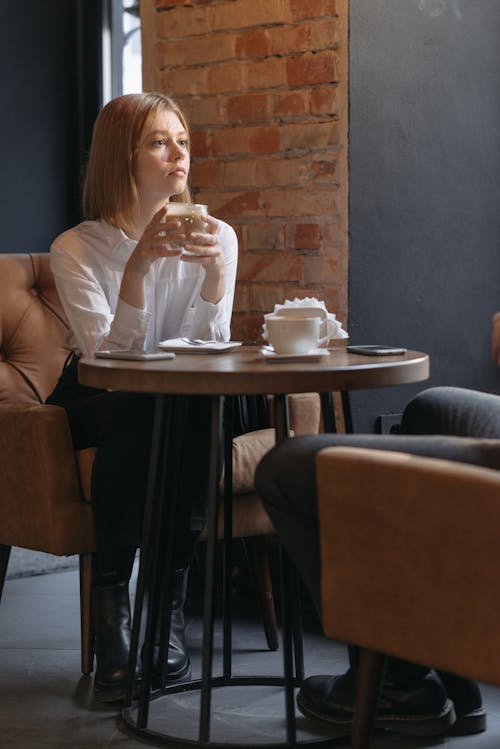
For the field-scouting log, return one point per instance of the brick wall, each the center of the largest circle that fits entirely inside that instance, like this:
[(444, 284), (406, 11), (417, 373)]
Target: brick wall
[(264, 84)]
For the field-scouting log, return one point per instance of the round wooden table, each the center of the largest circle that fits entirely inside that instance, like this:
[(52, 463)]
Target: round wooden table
[(243, 371)]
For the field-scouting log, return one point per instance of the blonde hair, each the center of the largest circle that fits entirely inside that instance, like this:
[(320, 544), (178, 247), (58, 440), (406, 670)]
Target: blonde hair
[(110, 190)]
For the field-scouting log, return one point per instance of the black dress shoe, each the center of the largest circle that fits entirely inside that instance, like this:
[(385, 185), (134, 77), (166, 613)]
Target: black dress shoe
[(466, 697), (420, 710)]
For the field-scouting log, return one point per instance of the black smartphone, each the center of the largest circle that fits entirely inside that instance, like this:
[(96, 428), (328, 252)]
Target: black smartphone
[(374, 350)]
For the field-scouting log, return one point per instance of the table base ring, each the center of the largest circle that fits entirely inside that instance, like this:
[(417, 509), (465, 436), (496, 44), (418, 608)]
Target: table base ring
[(172, 741)]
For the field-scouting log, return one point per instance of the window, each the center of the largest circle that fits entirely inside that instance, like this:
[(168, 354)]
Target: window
[(125, 53)]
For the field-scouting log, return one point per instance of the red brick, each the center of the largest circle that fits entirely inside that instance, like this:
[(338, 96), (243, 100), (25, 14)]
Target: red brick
[(226, 77), (300, 202), (324, 100), (201, 110), (246, 140), (265, 140), (292, 103), (247, 13), (241, 303), (167, 4), (305, 236), (326, 169), (248, 108), (239, 173), (320, 135), (213, 48), (182, 22), (253, 43), (321, 270), (246, 327), (310, 69), (171, 53), (264, 236), (199, 144), (269, 267), (313, 8), (290, 39), (232, 205), (325, 34), (205, 173), (266, 74), (280, 171), (263, 298), (184, 81)]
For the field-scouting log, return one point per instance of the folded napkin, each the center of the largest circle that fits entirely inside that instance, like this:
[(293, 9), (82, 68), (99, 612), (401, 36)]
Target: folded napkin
[(333, 327)]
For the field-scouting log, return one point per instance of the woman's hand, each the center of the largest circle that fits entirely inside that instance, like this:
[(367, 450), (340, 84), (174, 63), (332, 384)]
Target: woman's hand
[(159, 239), (204, 248)]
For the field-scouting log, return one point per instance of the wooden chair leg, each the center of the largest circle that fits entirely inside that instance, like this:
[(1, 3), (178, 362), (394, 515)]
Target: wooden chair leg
[(87, 635), (4, 561), (371, 668), (258, 556)]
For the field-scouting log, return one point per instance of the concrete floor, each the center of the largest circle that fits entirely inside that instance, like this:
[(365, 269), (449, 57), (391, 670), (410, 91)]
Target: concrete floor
[(44, 702)]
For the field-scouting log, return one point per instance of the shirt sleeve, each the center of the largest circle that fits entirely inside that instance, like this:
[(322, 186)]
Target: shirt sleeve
[(213, 321), (93, 323)]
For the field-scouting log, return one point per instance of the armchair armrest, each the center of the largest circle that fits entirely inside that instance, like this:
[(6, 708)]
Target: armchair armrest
[(411, 557)]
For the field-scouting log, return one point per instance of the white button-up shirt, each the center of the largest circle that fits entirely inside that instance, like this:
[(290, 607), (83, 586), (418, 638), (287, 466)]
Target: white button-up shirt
[(88, 262)]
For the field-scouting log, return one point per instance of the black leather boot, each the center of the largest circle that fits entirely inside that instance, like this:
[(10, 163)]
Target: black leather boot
[(111, 617), (179, 665), (466, 697)]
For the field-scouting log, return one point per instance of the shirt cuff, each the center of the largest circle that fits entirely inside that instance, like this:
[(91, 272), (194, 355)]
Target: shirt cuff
[(129, 323)]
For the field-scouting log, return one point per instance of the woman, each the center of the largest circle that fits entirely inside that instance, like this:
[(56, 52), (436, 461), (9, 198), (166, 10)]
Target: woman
[(125, 283)]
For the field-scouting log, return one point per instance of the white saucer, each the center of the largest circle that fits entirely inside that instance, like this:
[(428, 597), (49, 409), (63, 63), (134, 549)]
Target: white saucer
[(178, 346), (269, 354)]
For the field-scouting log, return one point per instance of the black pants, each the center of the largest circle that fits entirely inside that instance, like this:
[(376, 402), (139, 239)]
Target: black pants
[(119, 425), (459, 424)]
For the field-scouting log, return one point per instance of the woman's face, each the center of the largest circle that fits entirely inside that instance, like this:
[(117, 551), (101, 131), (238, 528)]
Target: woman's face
[(162, 158)]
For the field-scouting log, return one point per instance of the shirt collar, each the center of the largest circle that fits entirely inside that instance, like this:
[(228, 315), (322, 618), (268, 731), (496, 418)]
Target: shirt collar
[(117, 239)]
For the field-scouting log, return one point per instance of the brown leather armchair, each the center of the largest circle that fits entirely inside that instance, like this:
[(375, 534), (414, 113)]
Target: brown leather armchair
[(44, 484), (397, 529)]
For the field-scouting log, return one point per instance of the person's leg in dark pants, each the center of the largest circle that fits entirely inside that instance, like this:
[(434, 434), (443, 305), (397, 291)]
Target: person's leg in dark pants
[(120, 426), (286, 481)]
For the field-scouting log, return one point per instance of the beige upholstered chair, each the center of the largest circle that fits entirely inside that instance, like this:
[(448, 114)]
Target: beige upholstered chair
[(44, 485), (398, 529)]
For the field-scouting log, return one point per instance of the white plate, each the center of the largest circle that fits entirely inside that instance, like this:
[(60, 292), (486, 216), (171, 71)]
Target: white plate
[(178, 346), (269, 355)]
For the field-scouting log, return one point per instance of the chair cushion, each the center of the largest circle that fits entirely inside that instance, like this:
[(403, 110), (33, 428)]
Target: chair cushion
[(248, 450)]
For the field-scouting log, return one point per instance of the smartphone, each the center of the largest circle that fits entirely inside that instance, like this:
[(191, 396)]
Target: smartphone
[(135, 355), (374, 350)]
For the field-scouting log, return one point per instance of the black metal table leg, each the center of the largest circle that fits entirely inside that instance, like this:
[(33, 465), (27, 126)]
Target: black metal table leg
[(155, 555), (228, 537), (208, 608), (328, 412), (147, 554), (346, 408)]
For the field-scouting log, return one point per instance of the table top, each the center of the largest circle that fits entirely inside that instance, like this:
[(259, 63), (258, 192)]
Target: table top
[(245, 372)]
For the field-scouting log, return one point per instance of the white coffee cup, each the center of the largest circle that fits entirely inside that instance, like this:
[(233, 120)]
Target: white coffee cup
[(327, 328), (191, 216), (292, 335)]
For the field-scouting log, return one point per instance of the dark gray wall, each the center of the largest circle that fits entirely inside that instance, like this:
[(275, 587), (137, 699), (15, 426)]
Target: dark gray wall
[(38, 178), (425, 188)]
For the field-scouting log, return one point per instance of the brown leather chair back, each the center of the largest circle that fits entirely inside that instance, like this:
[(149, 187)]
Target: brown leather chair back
[(32, 329)]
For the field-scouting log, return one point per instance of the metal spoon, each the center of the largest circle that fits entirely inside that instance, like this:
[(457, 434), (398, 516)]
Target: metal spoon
[(196, 341)]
